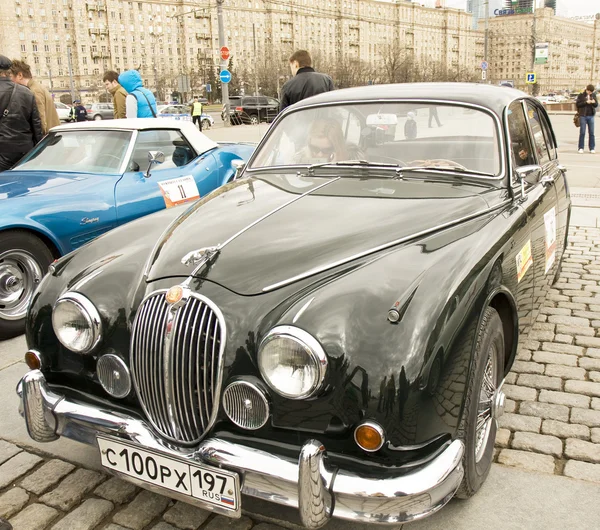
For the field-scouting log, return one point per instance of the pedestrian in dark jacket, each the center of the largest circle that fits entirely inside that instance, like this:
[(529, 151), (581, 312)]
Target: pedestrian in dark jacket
[(587, 102), (305, 83), (78, 112), (20, 124)]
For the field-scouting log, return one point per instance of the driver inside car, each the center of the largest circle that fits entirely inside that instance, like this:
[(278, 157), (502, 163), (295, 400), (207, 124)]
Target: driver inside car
[(326, 144)]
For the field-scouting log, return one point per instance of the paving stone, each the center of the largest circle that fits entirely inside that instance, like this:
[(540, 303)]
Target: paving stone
[(519, 393), (564, 398), (517, 422), (564, 339), (8, 450), (582, 470), (116, 490), (583, 387), (502, 437), (565, 430), (86, 516), (595, 403), (555, 358), (565, 372), (161, 526), (16, 467), (594, 376), (510, 405), (523, 355), (590, 342), (541, 335), (114, 526), (527, 367), (532, 345), (582, 450), (540, 381), (526, 460), (141, 510), (510, 379), (12, 501), (544, 326), (186, 516), (591, 315), (72, 489), (589, 363), (46, 476), (539, 443), (569, 321), (571, 305), (220, 522), (556, 311), (588, 417), (267, 526), (595, 435), (593, 352), (544, 410), (34, 517), (575, 331)]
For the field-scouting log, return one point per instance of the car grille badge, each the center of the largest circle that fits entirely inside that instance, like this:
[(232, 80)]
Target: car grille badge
[(174, 294)]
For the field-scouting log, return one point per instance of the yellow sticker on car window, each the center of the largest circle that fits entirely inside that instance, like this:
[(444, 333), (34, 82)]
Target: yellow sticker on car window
[(524, 260), (550, 225)]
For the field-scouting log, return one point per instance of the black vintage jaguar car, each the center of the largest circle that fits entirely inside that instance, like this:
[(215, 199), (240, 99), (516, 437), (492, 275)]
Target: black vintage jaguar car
[(331, 330)]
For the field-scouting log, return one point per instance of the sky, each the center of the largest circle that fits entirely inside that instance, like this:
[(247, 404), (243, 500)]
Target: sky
[(565, 8)]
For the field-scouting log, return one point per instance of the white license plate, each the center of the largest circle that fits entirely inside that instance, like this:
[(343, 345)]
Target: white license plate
[(208, 484)]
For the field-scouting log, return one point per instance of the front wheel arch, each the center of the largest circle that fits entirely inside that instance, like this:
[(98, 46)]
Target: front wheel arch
[(502, 300), (56, 252)]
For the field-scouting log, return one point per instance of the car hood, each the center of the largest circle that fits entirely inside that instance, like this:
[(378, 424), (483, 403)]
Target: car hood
[(22, 183), (278, 228)]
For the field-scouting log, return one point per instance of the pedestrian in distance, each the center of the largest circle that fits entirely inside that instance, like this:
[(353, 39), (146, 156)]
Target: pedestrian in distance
[(21, 73), (196, 111), (305, 81), (410, 127), (433, 113), (140, 102), (111, 82), (78, 111), (587, 102), (20, 124)]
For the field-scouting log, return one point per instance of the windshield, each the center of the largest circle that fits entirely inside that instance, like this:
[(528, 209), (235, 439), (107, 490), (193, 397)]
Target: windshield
[(404, 134), (82, 151)]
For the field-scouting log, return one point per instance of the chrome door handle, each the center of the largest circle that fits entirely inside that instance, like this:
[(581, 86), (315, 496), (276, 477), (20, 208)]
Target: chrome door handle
[(547, 179)]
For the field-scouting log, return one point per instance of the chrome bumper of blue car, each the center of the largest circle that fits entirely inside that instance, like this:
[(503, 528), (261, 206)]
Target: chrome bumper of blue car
[(311, 484)]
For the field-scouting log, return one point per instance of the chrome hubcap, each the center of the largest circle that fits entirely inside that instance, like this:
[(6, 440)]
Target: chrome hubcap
[(491, 401), (19, 276)]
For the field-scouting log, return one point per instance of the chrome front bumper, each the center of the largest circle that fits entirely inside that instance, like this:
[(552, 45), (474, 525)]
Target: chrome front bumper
[(312, 484)]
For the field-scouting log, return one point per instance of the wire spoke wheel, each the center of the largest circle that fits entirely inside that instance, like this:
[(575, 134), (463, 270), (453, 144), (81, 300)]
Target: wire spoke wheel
[(486, 399)]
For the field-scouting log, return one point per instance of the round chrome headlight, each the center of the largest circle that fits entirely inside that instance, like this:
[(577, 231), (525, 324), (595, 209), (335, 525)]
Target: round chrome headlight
[(76, 323), (113, 375), (292, 362)]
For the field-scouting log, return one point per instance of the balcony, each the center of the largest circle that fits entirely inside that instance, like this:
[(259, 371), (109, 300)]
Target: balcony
[(100, 55)]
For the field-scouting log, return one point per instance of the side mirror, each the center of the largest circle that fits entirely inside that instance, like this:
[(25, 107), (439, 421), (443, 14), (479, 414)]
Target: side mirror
[(239, 166), (154, 157), (530, 174)]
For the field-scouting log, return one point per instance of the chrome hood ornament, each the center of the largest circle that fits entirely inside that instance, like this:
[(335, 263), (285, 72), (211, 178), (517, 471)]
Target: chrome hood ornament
[(200, 256)]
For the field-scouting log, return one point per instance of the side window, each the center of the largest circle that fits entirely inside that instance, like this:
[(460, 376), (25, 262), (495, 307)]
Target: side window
[(175, 147), (547, 128), (535, 121), (519, 140)]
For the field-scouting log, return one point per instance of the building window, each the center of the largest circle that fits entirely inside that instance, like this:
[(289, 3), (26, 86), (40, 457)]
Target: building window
[(35, 48), (36, 60), (23, 48)]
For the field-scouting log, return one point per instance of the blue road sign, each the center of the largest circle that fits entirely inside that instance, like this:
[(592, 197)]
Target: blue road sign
[(208, 87), (225, 76), (484, 65), (531, 78)]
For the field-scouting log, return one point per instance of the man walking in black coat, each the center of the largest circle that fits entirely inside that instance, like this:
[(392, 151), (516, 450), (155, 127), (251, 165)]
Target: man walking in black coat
[(305, 83), (20, 123)]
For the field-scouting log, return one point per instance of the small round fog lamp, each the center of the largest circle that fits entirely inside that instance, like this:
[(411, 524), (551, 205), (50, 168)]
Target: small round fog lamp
[(32, 359), (369, 436), (113, 375)]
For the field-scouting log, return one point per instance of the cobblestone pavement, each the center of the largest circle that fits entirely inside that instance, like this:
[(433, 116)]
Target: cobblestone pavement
[(551, 425)]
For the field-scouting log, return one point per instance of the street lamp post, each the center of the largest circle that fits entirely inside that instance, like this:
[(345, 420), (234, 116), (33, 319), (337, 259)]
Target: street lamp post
[(224, 86)]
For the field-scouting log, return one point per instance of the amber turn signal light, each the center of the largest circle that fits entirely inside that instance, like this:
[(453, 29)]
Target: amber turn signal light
[(32, 359), (369, 436)]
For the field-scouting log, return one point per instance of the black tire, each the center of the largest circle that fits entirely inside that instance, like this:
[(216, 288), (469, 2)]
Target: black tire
[(205, 125), (97, 117), (16, 248), (489, 340), (254, 119)]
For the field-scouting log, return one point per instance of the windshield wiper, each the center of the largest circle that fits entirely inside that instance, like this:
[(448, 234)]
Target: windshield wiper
[(350, 163), (453, 169)]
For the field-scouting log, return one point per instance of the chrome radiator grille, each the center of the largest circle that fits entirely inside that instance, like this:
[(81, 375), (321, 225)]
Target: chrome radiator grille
[(175, 353)]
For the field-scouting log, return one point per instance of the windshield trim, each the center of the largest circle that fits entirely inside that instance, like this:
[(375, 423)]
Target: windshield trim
[(494, 116)]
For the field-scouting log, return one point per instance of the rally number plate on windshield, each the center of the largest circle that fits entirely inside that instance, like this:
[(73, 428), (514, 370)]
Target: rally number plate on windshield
[(208, 484)]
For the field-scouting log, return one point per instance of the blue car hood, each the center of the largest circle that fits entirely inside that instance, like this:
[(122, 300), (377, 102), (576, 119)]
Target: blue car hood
[(23, 183)]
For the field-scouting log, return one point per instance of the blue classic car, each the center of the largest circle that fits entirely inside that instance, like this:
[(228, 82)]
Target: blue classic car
[(83, 179)]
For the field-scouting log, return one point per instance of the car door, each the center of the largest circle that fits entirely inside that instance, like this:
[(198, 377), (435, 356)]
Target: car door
[(183, 176)]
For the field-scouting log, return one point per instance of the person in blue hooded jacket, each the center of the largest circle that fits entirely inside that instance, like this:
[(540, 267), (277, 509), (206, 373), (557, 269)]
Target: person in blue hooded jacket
[(140, 102)]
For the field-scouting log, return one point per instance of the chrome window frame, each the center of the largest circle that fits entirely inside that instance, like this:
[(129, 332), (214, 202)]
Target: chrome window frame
[(494, 116)]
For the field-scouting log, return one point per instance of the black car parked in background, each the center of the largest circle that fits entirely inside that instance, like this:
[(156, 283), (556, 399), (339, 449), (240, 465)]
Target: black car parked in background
[(251, 109)]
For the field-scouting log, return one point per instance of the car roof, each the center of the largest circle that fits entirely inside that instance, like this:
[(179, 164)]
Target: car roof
[(199, 141), (492, 97)]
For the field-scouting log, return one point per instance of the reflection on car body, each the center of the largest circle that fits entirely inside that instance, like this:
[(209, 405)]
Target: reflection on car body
[(334, 326)]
